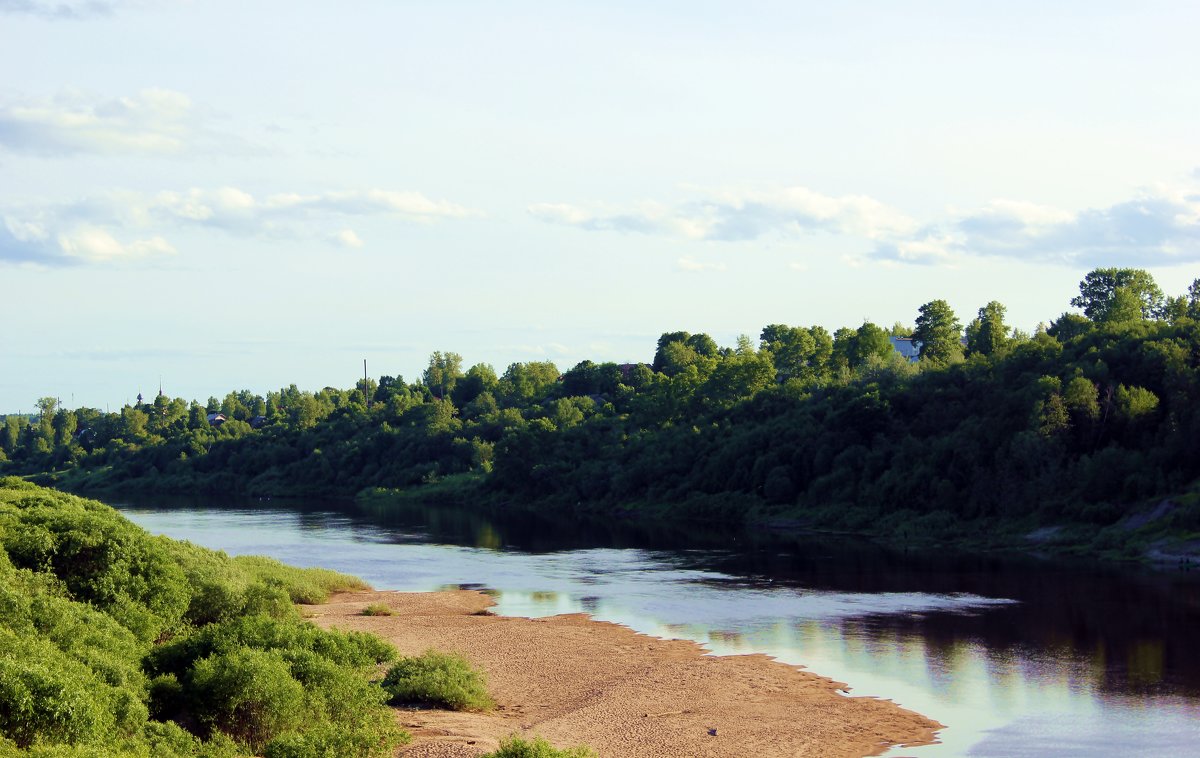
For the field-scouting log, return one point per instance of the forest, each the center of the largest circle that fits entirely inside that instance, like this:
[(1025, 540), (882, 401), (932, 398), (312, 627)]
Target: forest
[(988, 433)]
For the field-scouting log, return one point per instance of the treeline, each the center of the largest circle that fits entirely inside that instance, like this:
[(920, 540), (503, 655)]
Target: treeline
[(1081, 421), (114, 642)]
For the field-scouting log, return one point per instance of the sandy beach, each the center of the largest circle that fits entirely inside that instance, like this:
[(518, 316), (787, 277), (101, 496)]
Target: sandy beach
[(573, 680)]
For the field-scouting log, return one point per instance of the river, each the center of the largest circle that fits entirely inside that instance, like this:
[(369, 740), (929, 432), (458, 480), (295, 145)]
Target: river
[(1017, 656)]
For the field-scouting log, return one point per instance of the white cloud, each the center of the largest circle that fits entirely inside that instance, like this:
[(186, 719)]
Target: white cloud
[(65, 9), (347, 238), (153, 122), (96, 245), (89, 230), (739, 215), (1160, 225)]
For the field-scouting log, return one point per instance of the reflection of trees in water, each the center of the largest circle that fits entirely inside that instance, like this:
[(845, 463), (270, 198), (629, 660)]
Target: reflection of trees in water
[(1123, 631), (1130, 632)]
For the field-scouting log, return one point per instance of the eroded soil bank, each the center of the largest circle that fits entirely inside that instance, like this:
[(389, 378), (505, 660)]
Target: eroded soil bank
[(573, 680)]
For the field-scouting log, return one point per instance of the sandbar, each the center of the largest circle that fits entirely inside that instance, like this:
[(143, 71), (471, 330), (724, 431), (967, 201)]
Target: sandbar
[(574, 680)]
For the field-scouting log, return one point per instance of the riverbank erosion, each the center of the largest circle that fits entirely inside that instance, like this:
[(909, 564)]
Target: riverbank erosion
[(574, 680)]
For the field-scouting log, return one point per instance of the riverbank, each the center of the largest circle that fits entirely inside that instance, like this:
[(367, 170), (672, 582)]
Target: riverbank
[(1159, 532), (573, 680), (1163, 533)]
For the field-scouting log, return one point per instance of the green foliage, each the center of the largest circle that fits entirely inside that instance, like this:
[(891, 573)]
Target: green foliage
[(517, 747), (303, 585), (835, 429), (443, 372), (378, 609), (441, 679), (939, 332), (988, 334), (1117, 295), (248, 694), (112, 641)]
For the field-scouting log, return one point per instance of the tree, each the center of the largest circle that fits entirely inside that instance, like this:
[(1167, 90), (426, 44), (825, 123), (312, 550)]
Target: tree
[(988, 334), (737, 377), (688, 347), (797, 353), (479, 378), (869, 341), (65, 423), (939, 332), (47, 407), (11, 432), (1099, 299), (525, 383), (445, 369)]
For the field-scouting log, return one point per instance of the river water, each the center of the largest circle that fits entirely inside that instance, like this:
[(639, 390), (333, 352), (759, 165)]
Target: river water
[(1017, 656)]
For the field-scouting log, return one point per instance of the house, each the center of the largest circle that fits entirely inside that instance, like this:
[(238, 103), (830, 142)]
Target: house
[(258, 422), (911, 349), (216, 419), (907, 347)]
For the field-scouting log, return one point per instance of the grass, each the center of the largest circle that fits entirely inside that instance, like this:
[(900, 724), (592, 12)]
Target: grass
[(439, 679), (516, 747), (377, 609), (307, 586)]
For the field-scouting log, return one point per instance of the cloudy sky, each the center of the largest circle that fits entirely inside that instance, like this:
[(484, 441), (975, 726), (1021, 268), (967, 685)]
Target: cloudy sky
[(246, 195)]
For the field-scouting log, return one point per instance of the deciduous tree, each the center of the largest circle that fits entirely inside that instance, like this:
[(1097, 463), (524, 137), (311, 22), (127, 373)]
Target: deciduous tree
[(939, 332), (1100, 299)]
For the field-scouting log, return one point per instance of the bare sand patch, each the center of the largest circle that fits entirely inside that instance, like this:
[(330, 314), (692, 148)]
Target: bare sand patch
[(574, 680)]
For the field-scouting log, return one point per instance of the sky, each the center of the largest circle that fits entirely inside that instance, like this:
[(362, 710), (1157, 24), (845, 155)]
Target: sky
[(222, 196)]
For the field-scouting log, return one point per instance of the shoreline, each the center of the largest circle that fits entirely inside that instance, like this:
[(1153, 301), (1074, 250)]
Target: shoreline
[(574, 680)]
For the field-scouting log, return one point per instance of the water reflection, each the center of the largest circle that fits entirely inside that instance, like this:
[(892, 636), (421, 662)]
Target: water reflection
[(1018, 656)]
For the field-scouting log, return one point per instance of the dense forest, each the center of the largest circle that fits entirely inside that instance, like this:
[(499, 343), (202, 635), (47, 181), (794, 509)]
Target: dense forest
[(1087, 421)]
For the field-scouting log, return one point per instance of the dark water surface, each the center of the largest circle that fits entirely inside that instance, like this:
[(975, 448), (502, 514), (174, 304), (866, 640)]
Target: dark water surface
[(1018, 656)]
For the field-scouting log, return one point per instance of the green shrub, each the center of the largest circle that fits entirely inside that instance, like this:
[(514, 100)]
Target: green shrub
[(377, 609), (102, 624), (516, 747), (46, 695), (326, 741), (248, 694), (443, 679), (353, 649)]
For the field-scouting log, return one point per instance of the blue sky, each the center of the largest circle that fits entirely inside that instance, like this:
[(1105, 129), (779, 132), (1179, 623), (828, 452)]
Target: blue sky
[(233, 195)]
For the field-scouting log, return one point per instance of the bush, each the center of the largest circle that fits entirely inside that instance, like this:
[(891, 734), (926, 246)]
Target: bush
[(248, 694), (440, 679), (377, 609), (515, 747), (102, 624), (45, 695)]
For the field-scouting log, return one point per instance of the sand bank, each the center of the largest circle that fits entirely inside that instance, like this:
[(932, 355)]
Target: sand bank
[(573, 680)]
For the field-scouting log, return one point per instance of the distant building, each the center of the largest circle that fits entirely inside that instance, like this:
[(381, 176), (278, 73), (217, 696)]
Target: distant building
[(258, 422), (906, 347), (911, 349), (216, 419)]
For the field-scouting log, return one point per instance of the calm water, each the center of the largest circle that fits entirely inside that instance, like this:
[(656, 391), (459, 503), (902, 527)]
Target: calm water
[(1017, 656)]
